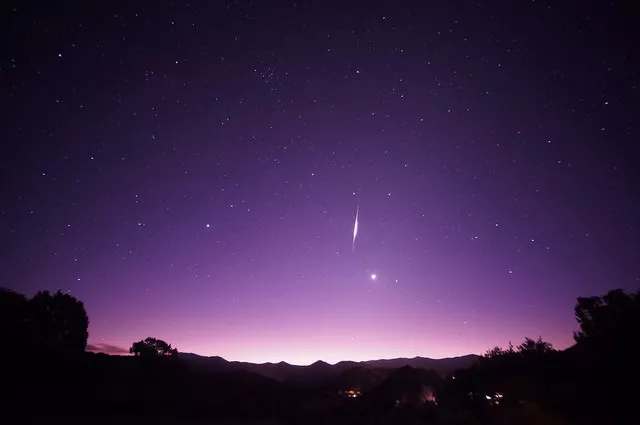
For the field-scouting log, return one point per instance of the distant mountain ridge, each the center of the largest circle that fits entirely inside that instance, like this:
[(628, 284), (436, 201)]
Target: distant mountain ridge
[(441, 366), (322, 372)]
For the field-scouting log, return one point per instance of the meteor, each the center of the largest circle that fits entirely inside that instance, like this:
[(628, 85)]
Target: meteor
[(355, 228)]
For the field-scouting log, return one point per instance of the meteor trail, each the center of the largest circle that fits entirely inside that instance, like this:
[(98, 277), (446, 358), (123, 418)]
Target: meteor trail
[(355, 228)]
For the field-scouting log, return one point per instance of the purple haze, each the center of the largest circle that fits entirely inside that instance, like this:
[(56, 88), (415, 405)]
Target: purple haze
[(191, 172)]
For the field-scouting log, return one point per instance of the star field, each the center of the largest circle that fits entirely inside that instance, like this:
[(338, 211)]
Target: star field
[(191, 171)]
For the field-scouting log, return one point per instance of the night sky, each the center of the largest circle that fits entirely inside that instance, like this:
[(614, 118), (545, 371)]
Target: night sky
[(192, 171)]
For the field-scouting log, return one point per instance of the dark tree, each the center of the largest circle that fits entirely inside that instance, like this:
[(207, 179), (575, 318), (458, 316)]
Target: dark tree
[(59, 323), (530, 346), (14, 321), (152, 347), (610, 318), (498, 351), (606, 352)]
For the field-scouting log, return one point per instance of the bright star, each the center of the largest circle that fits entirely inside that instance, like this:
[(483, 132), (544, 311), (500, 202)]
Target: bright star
[(374, 276)]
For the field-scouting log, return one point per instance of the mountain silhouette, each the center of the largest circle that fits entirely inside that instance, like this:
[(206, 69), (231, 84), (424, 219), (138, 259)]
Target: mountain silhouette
[(322, 372), (441, 366)]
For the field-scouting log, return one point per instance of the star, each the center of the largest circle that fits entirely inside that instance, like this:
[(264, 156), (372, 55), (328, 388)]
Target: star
[(374, 276)]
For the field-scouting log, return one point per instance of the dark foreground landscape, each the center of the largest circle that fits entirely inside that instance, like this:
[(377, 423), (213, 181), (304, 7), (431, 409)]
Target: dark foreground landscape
[(50, 379)]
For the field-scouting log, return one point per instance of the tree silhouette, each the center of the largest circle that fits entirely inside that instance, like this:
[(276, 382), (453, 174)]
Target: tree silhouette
[(498, 351), (59, 323), (530, 346), (615, 315), (609, 327), (14, 321), (152, 347)]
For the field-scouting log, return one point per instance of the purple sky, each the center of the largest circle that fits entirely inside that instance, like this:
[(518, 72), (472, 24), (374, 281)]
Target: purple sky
[(192, 171)]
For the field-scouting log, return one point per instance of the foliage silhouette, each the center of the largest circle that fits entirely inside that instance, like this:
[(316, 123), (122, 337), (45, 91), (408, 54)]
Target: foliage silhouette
[(498, 351), (606, 350), (611, 320), (153, 347), (59, 323), (14, 321), (537, 347), (46, 323)]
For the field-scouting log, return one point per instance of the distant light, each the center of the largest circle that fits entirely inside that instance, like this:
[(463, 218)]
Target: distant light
[(207, 225), (374, 276)]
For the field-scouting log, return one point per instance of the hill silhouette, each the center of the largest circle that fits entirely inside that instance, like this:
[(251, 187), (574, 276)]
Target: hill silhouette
[(442, 366), (321, 372)]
